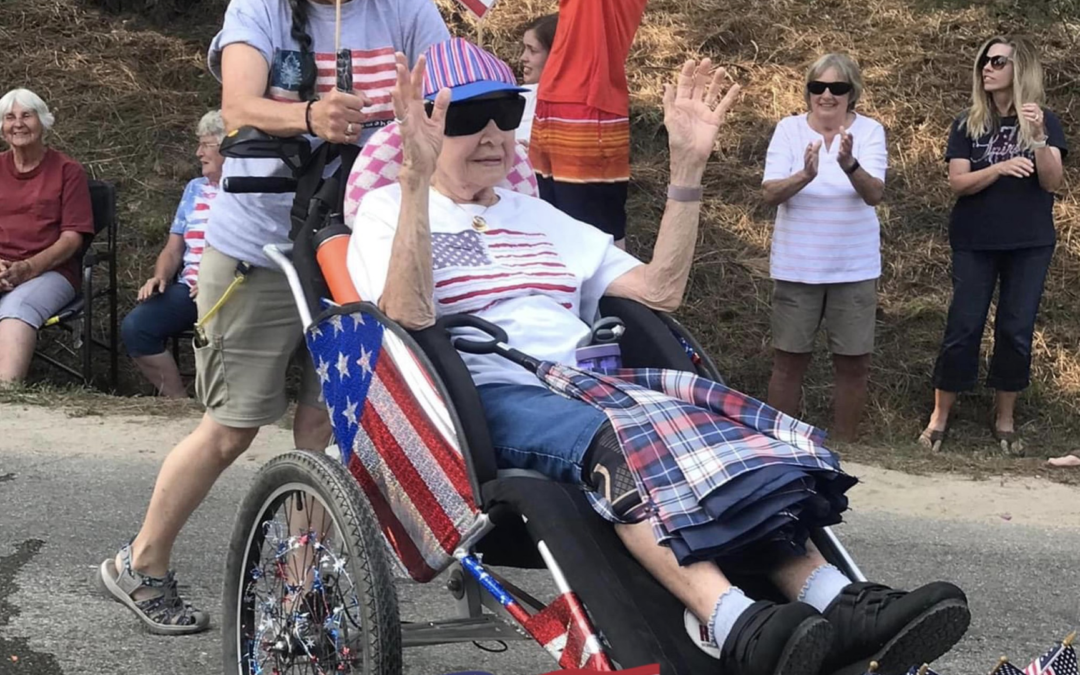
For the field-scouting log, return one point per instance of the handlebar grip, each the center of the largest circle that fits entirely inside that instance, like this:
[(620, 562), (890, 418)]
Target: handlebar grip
[(259, 184), (469, 345)]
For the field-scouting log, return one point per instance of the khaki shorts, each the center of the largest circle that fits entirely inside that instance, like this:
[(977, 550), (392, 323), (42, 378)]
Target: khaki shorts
[(251, 340), (849, 311)]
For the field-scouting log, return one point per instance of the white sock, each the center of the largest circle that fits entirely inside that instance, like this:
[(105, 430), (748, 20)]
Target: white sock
[(822, 587), (729, 607)]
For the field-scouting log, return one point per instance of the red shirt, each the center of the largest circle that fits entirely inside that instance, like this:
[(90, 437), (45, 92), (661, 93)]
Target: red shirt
[(36, 206), (587, 63)]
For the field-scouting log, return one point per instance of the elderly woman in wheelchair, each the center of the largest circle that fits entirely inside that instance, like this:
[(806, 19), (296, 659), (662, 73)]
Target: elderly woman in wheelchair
[(444, 240)]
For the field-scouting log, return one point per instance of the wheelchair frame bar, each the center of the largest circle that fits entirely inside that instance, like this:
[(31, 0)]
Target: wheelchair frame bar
[(279, 254)]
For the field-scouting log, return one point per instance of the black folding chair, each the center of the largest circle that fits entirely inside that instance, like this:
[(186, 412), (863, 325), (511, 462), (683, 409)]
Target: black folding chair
[(77, 318)]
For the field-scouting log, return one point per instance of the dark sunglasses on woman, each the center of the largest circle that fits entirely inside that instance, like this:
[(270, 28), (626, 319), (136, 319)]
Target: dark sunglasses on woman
[(996, 62), (470, 117), (818, 88)]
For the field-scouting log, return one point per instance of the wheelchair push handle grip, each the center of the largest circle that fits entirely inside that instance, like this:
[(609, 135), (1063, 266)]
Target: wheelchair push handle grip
[(496, 345), (259, 184)]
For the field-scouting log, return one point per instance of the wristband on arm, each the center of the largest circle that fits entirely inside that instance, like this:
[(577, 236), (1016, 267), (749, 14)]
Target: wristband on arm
[(679, 193)]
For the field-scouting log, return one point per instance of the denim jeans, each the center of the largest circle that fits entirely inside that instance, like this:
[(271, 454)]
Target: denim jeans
[(1022, 273), (534, 428), (158, 318)]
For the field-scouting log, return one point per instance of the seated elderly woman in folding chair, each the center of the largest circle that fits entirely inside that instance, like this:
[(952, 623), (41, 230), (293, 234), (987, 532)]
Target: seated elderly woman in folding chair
[(444, 240), (45, 213)]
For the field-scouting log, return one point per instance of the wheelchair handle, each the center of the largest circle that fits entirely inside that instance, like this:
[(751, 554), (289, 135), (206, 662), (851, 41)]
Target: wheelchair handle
[(259, 184), (608, 330), (496, 345)]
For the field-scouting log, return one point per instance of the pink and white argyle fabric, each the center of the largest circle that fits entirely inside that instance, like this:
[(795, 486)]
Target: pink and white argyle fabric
[(380, 161)]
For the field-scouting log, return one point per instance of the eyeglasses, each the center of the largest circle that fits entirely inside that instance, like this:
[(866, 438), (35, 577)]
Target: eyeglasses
[(208, 146), (817, 88), (996, 62), (470, 117)]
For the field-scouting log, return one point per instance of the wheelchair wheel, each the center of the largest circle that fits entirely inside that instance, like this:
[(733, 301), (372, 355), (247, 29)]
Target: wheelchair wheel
[(307, 586)]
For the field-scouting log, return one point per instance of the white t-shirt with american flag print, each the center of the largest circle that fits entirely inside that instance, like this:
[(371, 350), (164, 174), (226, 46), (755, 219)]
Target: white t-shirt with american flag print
[(372, 30), (534, 271)]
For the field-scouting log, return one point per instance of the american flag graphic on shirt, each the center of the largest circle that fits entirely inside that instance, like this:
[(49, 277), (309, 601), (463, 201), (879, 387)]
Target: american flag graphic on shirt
[(475, 270), (195, 233), (373, 74)]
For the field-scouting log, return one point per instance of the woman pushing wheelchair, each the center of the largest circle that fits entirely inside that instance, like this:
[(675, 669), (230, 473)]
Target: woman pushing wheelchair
[(445, 240)]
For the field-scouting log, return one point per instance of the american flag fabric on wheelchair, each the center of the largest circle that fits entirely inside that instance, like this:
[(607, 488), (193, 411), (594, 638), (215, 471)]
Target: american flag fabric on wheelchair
[(396, 438), (725, 477)]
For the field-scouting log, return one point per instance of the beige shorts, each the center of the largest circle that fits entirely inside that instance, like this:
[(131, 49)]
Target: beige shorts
[(848, 310), (251, 340)]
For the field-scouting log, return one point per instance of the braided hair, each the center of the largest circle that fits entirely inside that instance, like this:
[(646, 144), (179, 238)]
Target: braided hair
[(308, 71)]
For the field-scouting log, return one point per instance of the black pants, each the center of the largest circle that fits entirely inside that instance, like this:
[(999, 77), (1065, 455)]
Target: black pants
[(975, 274)]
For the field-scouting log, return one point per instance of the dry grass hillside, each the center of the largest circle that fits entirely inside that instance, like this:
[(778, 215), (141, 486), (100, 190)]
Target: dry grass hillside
[(129, 83)]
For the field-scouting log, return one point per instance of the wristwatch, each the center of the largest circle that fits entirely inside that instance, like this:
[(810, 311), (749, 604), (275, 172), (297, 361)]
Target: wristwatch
[(853, 169), (1038, 145)]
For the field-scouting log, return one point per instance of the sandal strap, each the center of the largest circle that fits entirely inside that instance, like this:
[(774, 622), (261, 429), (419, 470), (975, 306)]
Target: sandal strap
[(168, 608), (129, 579)]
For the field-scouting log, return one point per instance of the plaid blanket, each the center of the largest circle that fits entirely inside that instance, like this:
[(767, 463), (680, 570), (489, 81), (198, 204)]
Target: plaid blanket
[(686, 437)]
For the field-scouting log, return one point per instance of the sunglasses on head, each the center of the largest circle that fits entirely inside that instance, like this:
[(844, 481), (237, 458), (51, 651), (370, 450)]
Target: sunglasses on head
[(996, 62), (818, 88), (470, 117)]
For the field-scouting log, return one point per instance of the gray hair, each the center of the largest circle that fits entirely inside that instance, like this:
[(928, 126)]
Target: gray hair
[(30, 101), (847, 69), (211, 124)]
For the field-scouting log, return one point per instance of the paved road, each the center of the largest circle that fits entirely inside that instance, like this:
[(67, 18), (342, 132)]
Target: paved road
[(64, 507)]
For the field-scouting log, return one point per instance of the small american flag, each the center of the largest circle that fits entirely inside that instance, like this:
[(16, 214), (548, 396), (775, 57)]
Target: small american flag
[(372, 73), (396, 437), (478, 8), (474, 270), (920, 670), (1059, 660), (1005, 667)]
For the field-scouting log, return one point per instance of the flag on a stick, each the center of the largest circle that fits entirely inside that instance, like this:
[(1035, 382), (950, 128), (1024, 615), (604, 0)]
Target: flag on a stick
[(478, 8)]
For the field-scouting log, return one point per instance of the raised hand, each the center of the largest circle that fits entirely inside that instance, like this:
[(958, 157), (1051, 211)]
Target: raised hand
[(694, 109), (811, 158), (421, 135), (1017, 167), (843, 155), (339, 117), (1033, 113)]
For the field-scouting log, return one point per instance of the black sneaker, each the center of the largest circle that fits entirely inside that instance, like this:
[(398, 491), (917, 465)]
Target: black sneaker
[(772, 639), (895, 628)]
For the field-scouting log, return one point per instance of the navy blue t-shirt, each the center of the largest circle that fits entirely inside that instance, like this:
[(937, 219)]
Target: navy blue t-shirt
[(1012, 212)]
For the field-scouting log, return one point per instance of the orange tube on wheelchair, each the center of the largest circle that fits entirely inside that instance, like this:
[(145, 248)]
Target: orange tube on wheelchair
[(331, 247)]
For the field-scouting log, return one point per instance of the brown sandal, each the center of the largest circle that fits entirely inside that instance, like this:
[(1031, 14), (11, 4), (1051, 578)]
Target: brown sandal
[(1009, 441), (932, 439)]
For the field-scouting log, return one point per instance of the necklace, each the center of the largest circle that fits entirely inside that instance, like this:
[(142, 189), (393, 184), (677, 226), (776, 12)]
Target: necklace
[(478, 222)]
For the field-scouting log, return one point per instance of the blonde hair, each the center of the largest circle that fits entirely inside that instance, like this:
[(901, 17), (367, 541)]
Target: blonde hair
[(1027, 87), (846, 67)]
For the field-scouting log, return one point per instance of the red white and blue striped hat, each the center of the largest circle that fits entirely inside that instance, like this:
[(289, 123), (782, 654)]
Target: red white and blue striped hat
[(467, 70)]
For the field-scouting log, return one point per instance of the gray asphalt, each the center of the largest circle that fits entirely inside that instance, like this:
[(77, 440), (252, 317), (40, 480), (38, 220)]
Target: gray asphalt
[(62, 510)]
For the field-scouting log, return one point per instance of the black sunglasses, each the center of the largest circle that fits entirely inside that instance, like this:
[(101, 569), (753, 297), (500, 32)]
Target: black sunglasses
[(470, 117), (996, 62), (817, 88)]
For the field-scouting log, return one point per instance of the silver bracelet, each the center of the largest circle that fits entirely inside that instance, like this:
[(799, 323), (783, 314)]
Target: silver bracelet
[(679, 193)]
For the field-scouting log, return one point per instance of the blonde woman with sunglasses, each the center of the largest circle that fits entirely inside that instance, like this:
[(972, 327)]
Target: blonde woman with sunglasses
[(1005, 162)]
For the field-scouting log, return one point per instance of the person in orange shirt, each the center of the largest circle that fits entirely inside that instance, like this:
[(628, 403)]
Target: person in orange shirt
[(580, 145)]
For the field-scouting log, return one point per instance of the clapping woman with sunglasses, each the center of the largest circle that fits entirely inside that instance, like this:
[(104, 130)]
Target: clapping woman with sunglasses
[(825, 173), (1004, 157)]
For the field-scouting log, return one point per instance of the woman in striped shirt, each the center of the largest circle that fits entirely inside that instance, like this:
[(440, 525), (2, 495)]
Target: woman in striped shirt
[(167, 299), (825, 173)]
